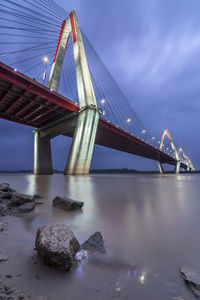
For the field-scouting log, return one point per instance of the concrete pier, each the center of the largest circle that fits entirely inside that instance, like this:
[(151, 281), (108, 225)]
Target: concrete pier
[(81, 151), (160, 167), (42, 154), (177, 167)]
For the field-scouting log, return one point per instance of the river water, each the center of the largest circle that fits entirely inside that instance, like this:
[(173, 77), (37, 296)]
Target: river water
[(150, 225)]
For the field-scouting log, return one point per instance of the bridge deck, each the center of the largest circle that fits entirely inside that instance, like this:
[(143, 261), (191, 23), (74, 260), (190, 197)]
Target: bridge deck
[(26, 101)]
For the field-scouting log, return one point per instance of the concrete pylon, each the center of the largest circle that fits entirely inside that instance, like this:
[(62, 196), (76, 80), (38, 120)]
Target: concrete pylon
[(54, 77), (160, 167), (81, 151), (42, 155)]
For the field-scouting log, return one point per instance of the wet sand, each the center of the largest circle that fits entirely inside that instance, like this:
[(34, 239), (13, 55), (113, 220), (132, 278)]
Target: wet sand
[(150, 226)]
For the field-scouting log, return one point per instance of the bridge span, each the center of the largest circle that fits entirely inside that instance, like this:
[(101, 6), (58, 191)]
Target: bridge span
[(26, 101)]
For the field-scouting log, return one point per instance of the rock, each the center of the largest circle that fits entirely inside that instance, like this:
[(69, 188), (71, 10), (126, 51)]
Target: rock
[(4, 187), (3, 256), (18, 199), (5, 195), (24, 208), (3, 226), (192, 279), (37, 196), (3, 210), (67, 203), (95, 243), (57, 245)]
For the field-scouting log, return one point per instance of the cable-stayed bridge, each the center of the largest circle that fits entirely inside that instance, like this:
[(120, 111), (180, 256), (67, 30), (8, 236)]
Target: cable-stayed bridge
[(52, 79)]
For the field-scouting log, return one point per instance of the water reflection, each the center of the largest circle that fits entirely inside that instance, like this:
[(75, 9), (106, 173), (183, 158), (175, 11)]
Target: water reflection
[(145, 221)]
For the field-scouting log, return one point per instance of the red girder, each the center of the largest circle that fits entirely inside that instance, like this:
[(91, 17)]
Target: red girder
[(6, 93), (49, 115), (34, 87), (25, 106), (15, 102)]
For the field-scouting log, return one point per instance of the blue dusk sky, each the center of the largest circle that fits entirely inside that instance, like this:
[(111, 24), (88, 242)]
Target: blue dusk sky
[(152, 50)]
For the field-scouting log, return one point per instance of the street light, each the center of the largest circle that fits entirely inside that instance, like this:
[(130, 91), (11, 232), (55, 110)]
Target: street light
[(103, 101), (45, 59), (129, 122), (144, 131)]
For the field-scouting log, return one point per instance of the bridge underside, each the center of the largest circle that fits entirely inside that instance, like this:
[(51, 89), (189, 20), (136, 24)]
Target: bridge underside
[(25, 101)]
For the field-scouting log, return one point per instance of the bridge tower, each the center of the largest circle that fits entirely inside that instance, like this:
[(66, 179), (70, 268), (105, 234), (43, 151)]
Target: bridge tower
[(177, 167), (81, 151)]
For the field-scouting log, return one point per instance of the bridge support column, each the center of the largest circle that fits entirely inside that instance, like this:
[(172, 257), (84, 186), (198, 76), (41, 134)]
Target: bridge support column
[(42, 155), (177, 167), (160, 167), (81, 151)]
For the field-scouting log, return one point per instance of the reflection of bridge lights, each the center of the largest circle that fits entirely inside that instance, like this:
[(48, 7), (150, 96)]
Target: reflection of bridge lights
[(142, 279), (153, 138), (143, 131)]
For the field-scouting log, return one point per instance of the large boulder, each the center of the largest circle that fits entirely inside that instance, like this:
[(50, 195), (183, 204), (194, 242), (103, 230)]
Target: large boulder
[(4, 187), (57, 245), (18, 199), (67, 203), (95, 243), (192, 279)]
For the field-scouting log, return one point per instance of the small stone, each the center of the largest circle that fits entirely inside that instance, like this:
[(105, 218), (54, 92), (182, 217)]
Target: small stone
[(57, 245), (5, 195), (3, 226), (95, 243), (3, 210), (8, 276), (192, 279), (18, 199), (37, 196), (4, 187), (24, 208), (67, 203), (3, 257), (21, 296)]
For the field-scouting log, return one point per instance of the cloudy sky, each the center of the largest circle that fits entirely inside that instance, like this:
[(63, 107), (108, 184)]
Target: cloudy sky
[(152, 49)]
